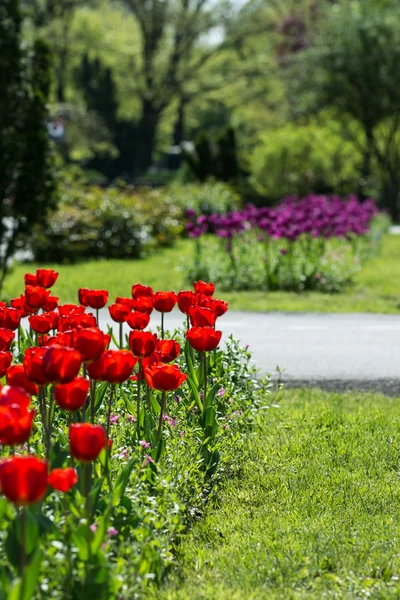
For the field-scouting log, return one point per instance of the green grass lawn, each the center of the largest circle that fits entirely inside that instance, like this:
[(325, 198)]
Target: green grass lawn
[(315, 513), (377, 288)]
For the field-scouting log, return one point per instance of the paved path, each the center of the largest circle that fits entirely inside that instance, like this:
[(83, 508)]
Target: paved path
[(338, 350)]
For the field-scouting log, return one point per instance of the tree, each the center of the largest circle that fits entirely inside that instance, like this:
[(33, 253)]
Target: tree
[(26, 181), (354, 69)]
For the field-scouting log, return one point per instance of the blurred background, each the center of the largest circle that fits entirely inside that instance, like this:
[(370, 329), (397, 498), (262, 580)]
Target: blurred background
[(204, 104)]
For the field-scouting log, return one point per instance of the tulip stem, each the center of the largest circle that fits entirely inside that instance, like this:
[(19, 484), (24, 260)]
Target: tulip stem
[(110, 399), (49, 423), (139, 380), (162, 325), (86, 469), (97, 317), (23, 546), (42, 406), (161, 419), (205, 378), (92, 400), (121, 336)]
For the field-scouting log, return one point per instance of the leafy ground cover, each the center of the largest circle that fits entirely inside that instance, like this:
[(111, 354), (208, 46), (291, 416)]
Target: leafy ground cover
[(315, 512), (376, 287)]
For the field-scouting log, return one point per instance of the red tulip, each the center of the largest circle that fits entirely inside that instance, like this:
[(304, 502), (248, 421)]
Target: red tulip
[(43, 323), (164, 301), (51, 303), (82, 292), (186, 299), (20, 304), (5, 362), (30, 279), (68, 338), (201, 287), (119, 312), (219, 307), (15, 418), (35, 296), (63, 480), (70, 310), (168, 350), (6, 338), (23, 479), (140, 291), (33, 365), (122, 300), (61, 364), (138, 320), (143, 304), (72, 396), (96, 298), (202, 317), (113, 366), (203, 339), (142, 343), (91, 343), (10, 318), (46, 277), (86, 441), (16, 377), (165, 378)]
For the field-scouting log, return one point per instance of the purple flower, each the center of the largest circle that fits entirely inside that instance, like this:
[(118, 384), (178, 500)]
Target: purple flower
[(144, 444), (147, 460), (93, 527), (112, 532), (114, 419)]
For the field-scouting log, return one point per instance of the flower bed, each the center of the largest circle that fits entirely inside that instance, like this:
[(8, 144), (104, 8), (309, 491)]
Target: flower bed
[(317, 242), (108, 453)]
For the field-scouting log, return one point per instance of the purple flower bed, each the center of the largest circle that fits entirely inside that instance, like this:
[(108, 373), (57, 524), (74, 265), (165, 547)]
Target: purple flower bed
[(316, 242)]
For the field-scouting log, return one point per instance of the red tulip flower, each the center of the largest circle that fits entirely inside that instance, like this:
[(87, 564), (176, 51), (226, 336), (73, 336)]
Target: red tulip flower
[(15, 376), (202, 317), (164, 301), (203, 339), (168, 350), (10, 318), (5, 362), (36, 297), (82, 293), (142, 343), (70, 310), (67, 338), (20, 304), (42, 323), (219, 307), (186, 299), (96, 298), (6, 339), (165, 378), (122, 300), (61, 364), (63, 480), (113, 366), (15, 418), (140, 291), (33, 365), (23, 479), (30, 279), (46, 277), (137, 320), (86, 441), (73, 395), (143, 304), (91, 343), (119, 312), (51, 303), (201, 287)]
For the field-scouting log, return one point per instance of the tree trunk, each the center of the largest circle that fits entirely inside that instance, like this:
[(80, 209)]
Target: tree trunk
[(391, 196), (146, 133)]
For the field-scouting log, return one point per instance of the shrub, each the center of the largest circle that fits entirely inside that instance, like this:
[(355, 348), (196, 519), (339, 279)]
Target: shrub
[(110, 223), (207, 198)]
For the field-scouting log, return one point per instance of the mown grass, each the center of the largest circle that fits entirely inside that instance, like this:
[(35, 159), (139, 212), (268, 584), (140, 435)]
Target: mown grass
[(315, 513), (377, 286)]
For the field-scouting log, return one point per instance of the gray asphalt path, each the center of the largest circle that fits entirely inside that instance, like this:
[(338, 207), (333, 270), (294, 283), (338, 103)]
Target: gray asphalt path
[(353, 349)]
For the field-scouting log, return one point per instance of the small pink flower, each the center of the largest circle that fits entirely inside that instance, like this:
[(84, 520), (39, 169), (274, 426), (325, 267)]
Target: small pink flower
[(112, 532), (147, 460), (182, 434), (114, 419), (221, 392), (93, 527), (124, 453), (131, 418), (144, 444)]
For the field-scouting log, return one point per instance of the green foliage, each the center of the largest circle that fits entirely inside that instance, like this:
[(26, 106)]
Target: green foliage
[(26, 179), (206, 198), (111, 223), (314, 513), (298, 159)]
